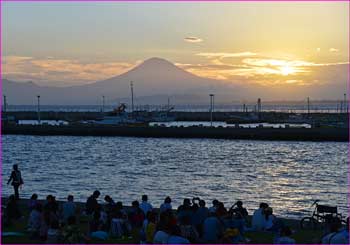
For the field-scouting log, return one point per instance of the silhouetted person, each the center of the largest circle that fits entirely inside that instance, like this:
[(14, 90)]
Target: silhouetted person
[(166, 205), (69, 208), (145, 205), (91, 203), (16, 180), (12, 211), (33, 201), (136, 215), (240, 211)]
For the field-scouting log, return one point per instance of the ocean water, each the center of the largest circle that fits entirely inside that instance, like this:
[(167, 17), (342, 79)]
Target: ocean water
[(287, 175)]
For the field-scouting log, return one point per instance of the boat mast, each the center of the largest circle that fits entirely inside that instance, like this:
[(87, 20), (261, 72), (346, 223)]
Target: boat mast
[(132, 98)]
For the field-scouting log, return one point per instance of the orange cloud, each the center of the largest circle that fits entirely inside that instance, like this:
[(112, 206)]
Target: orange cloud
[(52, 69)]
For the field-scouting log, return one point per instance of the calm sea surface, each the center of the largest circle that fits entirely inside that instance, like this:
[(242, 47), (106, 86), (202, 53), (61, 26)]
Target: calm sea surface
[(287, 175)]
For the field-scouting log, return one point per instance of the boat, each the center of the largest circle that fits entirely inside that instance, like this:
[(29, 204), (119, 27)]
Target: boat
[(120, 117)]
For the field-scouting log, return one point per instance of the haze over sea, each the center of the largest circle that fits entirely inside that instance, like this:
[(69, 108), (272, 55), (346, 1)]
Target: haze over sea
[(287, 175)]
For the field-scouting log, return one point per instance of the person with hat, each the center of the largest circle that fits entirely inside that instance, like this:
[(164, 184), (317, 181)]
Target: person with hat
[(16, 180)]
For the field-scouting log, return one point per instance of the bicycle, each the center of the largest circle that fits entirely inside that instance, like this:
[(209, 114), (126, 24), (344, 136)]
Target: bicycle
[(322, 214)]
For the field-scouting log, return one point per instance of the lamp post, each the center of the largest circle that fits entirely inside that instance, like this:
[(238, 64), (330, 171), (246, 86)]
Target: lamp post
[(132, 98), (211, 108), (346, 106), (39, 121), (5, 104), (103, 103)]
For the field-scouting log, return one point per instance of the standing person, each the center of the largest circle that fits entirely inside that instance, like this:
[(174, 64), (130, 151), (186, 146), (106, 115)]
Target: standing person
[(145, 205), (91, 203), (16, 179)]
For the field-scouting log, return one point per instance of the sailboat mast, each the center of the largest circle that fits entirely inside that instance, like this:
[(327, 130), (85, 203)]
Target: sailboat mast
[(132, 97)]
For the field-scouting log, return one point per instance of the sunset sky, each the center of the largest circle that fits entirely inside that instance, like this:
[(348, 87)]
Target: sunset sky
[(269, 44)]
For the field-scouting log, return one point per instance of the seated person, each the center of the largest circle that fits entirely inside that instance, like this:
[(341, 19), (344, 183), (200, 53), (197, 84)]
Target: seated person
[(284, 237), (175, 236), (151, 226), (110, 204), (212, 228), (71, 232), (12, 211), (54, 235), (199, 216), (34, 222), (215, 206), (68, 208), (334, 229), (96, 227), (342, 236), (166, 205), (184, 210), (95, 224), (270, 220), (136, 215), (145, 205), (166, 220), (32, 202), (258, 219), (119, 226), (188, 230), (239, 211), (161, 237), (51, 204)]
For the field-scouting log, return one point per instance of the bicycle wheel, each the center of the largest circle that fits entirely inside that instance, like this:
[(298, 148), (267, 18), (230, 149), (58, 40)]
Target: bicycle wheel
[(308, 223)]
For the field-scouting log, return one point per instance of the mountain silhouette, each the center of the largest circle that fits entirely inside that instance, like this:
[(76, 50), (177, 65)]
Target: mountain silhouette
[(152, 79)]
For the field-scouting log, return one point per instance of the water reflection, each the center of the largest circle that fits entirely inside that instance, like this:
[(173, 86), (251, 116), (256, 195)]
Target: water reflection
[(288, 175)]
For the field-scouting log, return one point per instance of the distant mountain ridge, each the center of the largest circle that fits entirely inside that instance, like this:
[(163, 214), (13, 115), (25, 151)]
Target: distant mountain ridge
[(154, 80)]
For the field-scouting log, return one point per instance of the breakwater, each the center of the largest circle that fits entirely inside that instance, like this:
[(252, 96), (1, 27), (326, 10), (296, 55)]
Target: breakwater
[(259, 133), (272, 117)]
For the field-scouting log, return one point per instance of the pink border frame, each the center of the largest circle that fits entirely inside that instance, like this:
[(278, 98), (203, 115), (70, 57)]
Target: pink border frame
[(165, 1)]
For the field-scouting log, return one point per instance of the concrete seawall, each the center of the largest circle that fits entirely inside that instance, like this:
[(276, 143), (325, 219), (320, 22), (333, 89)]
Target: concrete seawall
[(178, 115), (297, 134)]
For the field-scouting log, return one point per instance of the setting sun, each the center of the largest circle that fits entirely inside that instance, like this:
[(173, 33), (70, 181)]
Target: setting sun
[(286, 70)]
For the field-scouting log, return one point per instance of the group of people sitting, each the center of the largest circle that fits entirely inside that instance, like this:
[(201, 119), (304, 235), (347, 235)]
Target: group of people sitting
[(193, 221)]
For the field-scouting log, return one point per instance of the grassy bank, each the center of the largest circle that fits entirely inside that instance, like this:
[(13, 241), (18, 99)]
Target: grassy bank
[(300, 236)]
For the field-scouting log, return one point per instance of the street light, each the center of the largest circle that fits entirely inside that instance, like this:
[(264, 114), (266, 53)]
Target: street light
[(5, 104), (103, 103), (211, 108), (39, 121)]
